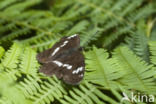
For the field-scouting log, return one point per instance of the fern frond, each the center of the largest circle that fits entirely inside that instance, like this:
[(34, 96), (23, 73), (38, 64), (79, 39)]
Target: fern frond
[(7, 27), (79, 27), (5, 3), (11, 57), (132, 5), (49, 91), (107, 40), (101, 70), (87, 94), (142, 13), (138, 41), (138, 74), (60, 26), (38, 39), (119, 20), (89, 36), (129, 41), (20, 6), (1, 52), (29, 65), (6, 91), (117, 15), (29, 85), (81, 12), (44, 42), (152, 47), (4, 100), (141, 48), (15, 33)]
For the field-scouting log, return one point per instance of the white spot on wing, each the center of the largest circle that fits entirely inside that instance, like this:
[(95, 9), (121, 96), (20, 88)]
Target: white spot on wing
[(81, 75), (72, 36), (77, 70), (58, 63), (74, 72), (67, 66), (56, 50), (64, 43), (61, 64)]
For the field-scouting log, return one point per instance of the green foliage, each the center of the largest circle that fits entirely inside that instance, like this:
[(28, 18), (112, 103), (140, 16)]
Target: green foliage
[(11, 57), (153, 51), (119, 41), (49, 91), (2, 51), (101, 69), (86, 94), (70, 17), (28, 62), (10, 92), (138, 74)]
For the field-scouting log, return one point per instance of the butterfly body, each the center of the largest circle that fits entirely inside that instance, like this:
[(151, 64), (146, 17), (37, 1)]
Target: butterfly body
[(64, 59)]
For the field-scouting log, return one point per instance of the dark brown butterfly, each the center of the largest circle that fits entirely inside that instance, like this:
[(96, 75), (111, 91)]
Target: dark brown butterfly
[(64, 59)]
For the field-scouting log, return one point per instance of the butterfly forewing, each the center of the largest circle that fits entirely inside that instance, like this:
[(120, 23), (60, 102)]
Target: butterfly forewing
[(76, 73), (59, 49)]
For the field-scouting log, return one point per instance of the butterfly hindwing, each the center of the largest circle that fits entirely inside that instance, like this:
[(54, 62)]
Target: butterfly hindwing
[(50, 69), (76, 73)]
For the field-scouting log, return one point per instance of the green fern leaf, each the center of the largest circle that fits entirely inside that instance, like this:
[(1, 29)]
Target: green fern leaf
[(11, 94), (140, 40), (138, 74), (29, 65), (15, 33), (152, 47), (20, 6), (5, 3), (1, 52), (86, 94), (89, 36), (7, 27), (11, 57), (79, 27), (30, 85), (49, 90), (101, 69)]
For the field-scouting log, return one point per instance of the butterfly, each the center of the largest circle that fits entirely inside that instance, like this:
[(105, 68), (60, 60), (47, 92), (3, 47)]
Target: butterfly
[(64, 59)]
